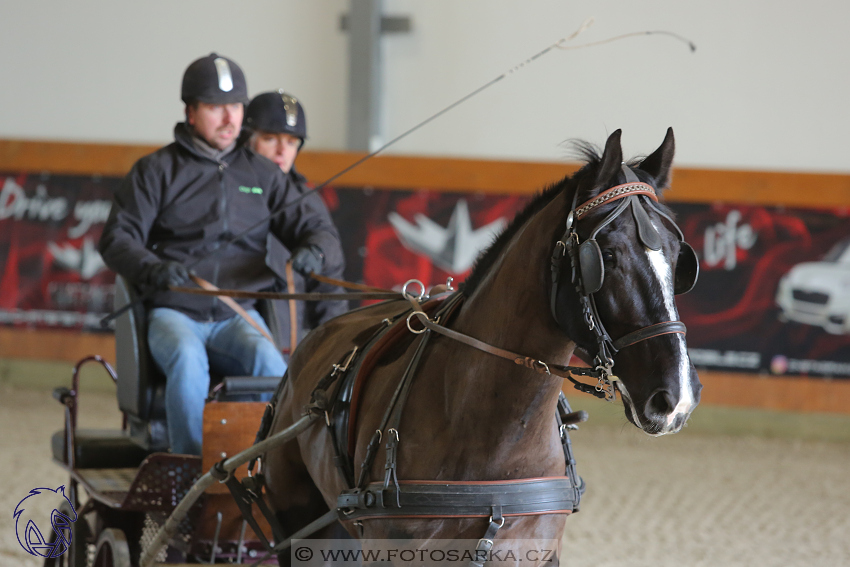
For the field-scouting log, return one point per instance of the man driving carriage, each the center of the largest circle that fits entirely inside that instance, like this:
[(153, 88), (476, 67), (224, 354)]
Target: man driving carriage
[(185, 207)]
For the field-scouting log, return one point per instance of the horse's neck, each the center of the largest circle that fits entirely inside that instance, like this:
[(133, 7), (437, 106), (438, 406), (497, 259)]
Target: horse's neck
[(510, 310)]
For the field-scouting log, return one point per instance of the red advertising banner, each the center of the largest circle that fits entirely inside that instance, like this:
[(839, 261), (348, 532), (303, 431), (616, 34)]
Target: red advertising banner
[(773, 295), (774, 289), (52, 274)]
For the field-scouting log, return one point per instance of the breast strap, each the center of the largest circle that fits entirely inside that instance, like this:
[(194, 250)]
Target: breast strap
[(460, 499)]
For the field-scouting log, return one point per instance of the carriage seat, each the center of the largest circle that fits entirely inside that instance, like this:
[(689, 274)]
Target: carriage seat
[(116, 448), (141, 385)]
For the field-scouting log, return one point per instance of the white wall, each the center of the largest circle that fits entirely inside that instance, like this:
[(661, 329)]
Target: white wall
[(767, 87), (107, 70)]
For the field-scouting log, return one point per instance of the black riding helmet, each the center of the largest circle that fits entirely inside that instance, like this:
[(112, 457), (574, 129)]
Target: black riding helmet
[(278, 113), (214, 80)]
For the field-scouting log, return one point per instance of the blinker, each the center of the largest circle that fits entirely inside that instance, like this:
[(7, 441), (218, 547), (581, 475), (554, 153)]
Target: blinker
[(591, 265), (687, 269)]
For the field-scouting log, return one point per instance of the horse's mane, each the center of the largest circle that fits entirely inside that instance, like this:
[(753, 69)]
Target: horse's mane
[(590, 155)]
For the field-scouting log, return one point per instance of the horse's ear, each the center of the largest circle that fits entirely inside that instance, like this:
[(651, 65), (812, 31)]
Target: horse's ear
[(659, 163), (612, 159)]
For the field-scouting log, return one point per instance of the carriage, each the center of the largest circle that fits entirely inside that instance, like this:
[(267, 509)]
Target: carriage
[(132, 482), (476, 447)]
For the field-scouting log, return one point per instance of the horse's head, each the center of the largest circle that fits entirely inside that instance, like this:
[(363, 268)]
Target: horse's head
[(624, 260)]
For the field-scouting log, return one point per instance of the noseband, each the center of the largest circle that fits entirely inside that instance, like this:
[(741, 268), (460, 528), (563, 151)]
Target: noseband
[(588, 269)]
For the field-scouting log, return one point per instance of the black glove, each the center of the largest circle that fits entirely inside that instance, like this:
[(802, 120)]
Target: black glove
[(165, 274), (307, 259)]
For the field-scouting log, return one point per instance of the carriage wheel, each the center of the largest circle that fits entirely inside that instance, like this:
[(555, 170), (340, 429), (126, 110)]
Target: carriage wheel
[(77, 553), (112, 549)]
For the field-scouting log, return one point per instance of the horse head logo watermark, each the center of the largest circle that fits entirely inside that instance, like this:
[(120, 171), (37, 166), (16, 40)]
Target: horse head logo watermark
[(31, 510)]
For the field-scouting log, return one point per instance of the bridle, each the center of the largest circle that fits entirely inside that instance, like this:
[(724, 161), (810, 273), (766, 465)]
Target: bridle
[(588, 268)]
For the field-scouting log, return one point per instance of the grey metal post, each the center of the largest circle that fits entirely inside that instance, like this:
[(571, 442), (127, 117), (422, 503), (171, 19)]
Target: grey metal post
[(364, 97)]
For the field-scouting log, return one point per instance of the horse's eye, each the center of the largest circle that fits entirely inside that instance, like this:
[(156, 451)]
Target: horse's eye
[(608, 256)]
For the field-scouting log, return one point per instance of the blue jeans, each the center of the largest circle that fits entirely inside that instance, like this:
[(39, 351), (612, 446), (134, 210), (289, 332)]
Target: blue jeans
[(185, 350)]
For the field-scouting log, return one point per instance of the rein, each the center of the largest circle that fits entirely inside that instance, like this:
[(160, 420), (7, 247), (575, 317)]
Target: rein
[(531, 363), (369, 293)]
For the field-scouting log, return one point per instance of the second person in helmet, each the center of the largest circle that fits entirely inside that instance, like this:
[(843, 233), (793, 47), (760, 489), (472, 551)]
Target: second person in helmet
[(277, 127)]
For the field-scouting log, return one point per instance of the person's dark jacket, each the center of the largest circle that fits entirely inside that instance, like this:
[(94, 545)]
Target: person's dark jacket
[(180, 204), (311, 314)]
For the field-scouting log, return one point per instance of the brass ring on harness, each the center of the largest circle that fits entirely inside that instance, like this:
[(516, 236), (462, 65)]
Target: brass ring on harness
[(412, 330), (503, 521)]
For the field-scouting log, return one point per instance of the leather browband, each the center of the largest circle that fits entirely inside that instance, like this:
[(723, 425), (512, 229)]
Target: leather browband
[(615, 193)]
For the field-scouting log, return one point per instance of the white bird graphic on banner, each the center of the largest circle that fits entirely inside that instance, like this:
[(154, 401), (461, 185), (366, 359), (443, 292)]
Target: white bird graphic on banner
[(86, 261), (453, 248)]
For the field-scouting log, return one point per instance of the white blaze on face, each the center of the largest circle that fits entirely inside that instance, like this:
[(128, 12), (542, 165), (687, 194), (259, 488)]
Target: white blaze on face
[(661, 268)]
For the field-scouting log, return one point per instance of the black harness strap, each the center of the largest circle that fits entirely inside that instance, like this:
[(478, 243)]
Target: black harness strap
[(397, 407), (453, 499), (655, 330), (568, 420), (485, 544), (250, 489), (392, 416)]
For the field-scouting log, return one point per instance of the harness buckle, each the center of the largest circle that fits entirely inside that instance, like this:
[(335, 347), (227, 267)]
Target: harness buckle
[(606, 380), (560, 250), (340, 368), (606, 385)]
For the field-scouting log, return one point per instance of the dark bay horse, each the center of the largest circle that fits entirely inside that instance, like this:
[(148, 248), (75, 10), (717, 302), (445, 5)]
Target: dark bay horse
[(471, 416)]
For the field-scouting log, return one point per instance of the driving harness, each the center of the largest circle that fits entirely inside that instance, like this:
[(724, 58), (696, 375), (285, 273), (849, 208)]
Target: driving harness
[(335, 398)]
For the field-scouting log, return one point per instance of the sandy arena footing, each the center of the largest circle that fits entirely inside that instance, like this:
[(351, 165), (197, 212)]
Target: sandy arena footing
[(691, 499)]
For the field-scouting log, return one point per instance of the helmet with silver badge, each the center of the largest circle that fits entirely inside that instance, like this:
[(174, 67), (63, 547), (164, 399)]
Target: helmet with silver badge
[(278, 113), (214, 80)]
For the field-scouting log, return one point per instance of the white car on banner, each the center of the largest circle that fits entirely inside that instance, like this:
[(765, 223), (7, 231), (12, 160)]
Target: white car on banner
[(818, 293)]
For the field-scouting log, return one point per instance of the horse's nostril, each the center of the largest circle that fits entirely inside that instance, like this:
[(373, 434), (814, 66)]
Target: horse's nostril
[(660, 404)]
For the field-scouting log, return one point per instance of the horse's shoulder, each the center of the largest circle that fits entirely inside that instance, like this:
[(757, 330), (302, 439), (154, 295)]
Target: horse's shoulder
[(338, 336)]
